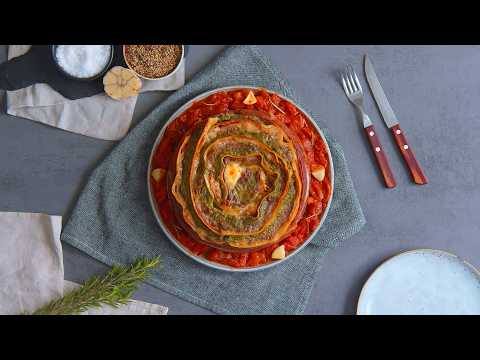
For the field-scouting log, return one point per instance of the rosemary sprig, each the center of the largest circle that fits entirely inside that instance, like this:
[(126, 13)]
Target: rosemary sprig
[(114, 289)]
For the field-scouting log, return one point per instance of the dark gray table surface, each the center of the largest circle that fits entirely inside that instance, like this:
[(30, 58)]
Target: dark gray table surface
[(435, 92)]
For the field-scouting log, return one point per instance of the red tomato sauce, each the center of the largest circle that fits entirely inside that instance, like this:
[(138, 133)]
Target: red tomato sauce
[(315, 151)]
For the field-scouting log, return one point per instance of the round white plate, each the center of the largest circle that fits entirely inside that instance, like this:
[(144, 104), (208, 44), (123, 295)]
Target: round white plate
[(422, 282), (187, 252)]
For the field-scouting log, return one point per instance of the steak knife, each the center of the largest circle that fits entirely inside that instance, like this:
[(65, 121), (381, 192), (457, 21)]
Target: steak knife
[(392, 123)]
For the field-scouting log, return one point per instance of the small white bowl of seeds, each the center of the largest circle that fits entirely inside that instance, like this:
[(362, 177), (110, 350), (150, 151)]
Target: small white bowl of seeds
[(153, 62)]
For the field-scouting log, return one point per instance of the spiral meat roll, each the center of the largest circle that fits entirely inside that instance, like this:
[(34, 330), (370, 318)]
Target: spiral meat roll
[(240, 181)]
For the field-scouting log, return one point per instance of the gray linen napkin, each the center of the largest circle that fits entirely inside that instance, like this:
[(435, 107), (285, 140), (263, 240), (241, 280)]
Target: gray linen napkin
[(96, 116), (113, 222)]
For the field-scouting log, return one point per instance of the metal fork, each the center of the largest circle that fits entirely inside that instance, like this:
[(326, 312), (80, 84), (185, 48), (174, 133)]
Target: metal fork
[(354, 92)]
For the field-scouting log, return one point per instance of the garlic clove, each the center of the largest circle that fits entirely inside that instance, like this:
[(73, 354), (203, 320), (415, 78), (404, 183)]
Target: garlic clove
[(279, 253), (250, 99), (158, 174), (318, 171)]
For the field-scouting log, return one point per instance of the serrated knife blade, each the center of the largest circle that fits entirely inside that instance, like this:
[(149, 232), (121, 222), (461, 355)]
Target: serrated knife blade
[(379, 95)]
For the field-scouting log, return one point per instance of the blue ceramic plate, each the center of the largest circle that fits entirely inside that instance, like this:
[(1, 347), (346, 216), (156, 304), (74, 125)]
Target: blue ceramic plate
[(422, 282)]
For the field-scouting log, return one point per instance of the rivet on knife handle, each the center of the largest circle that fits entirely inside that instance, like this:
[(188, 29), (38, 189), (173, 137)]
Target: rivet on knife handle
[(380, 157), (408, 155)]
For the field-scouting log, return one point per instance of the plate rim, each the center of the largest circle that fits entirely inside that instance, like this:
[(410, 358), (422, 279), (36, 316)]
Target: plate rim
[(405, 252), (153, 204)]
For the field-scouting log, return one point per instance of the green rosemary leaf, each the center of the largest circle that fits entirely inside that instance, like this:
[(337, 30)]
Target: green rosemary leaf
[(115, 288)]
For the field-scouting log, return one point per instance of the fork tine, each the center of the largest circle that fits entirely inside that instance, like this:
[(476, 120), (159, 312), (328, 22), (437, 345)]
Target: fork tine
[(357, 81), (349, 85), (350, 71), (345, 85)]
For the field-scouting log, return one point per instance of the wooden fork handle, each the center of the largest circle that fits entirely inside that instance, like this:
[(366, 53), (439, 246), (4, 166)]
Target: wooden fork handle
[(406, 150), (380, 156)]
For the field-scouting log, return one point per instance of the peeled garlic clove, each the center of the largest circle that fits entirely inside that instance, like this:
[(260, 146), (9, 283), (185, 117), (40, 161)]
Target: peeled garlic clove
[(279, 253), (318, 171), (250, 99), (158, 174)]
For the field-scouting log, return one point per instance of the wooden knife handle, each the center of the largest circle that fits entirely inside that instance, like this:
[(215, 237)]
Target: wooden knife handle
[(380, 157), (408, 155)]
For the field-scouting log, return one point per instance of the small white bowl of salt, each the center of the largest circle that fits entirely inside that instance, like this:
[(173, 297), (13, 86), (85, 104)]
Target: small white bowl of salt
[(82, 62)]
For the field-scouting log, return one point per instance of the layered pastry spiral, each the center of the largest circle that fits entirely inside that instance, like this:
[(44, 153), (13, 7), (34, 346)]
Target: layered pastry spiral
[(239, 180)]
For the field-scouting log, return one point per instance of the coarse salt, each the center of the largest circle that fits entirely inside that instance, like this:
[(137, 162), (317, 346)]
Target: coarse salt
[(83, 61)]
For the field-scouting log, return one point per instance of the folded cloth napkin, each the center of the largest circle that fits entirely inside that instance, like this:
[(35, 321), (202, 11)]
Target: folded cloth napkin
[(31, 267), (112, 220), (97, 116), (31, 261)]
